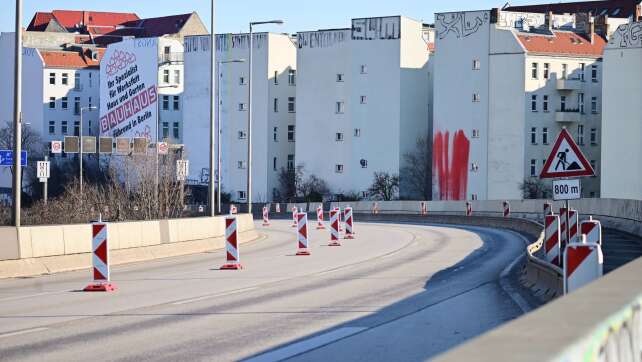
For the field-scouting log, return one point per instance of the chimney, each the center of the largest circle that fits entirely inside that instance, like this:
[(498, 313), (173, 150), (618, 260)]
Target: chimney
[(602, 26), (494, 15), (548, 22), (591, 30)]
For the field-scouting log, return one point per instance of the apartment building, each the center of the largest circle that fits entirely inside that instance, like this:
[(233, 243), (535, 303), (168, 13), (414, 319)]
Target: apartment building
[(622, 114), (362, 100), (506, 83), (274, 107)]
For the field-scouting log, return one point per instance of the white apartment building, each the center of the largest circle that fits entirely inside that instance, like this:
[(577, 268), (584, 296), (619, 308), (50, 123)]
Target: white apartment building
[(622, 114), (362, 100), (505, 85), (274, 108)]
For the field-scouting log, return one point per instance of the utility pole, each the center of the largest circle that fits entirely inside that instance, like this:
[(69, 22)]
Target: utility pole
[(211, 194), (17, 118)]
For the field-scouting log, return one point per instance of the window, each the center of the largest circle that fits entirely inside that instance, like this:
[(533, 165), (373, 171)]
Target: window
[(338, 168), (167, 50), (76, 128), (176, 103), (291, 133), (65, 78), (52, 127), (534, 70), (291, 104), (64, 102), (240, 165), (63, 128), (290, 162), (545, 103), (594, 73), (91, 81), (564, 71), (165, 130), (563, 103), (364, 69), (276, 77), (534, 135), (52, 102), (357, 132), (176, 131), (242, 135), (582, 68), (52, 78), (276, 105), (241, 195), (90, 129), (338, 137), (476, 64), (545, 135), (363, 163), (340, 77), (165, 103), (533, 168), (534, 103), (177, 76), (476, 97), (242, 107), (89, 102), (364, 99), (593, 136), (593, 105), (475, 133), (275, 134), (242, 80), (580, 102), (292, 77), (340, 107), (580, 134), (274, 164), (474, 167), (77, 81), (76, 105), (547, 70), (166, 76)]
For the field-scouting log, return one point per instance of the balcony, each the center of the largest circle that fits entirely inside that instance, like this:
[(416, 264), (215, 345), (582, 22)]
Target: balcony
[(171, 58), (569, 84), (568, 116)]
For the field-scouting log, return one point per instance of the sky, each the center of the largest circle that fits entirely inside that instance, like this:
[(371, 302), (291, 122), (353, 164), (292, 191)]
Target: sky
[(233, 15)]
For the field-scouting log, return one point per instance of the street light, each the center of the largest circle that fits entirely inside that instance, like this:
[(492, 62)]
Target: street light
[(249, 115), (218, 131), (82, 109), (210, 188)]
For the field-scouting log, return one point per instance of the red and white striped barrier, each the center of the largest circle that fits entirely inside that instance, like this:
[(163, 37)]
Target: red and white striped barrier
[(338, 210), (548, 208), (583, 263), (320, 225), (233, 210), (334, 228), (278, 208), (469, 209), (506, 206), (375, 208), (294, 219), (349, 225), (574, 225), (233, 257), (100, 260), (302, 234), (593, 231), (266, 216), (424, 208), (552, 242)]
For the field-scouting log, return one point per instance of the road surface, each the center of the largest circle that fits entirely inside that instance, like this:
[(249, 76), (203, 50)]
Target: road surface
[(397, 292)]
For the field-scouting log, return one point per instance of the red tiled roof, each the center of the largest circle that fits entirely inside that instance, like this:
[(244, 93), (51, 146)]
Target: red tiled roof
[(71, 59), (96, 22), (40, 21), (612, 8), (563, 43)]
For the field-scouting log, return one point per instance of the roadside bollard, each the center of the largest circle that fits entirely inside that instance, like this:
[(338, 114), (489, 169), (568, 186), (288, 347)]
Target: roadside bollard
[(302, 234), (233, 260), (334, 228), (349, 226), (100, 260), (320, 225), (552, 241), (266, 216)]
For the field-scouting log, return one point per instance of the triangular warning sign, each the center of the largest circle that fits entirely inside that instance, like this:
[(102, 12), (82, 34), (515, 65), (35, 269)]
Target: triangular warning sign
[(566, 159)]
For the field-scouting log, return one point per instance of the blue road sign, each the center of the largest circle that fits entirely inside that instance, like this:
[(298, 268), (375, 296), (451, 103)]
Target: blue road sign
[(6, 158)]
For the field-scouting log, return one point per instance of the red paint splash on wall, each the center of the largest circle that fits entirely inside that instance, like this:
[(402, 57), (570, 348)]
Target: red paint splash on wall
[(451, 175)]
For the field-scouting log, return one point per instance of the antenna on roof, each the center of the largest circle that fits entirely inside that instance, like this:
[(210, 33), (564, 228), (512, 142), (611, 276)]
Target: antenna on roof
[(505, 5)]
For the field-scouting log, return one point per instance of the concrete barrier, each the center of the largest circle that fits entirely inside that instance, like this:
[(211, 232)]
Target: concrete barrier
[(35, 250)]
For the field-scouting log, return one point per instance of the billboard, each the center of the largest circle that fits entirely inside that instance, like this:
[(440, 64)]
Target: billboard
[(128, 89)]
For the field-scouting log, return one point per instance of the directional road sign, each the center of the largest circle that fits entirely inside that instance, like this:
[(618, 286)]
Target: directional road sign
[(6, 158)]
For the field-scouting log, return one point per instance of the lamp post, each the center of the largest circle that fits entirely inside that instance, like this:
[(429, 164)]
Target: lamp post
[(218, 132), (82, 109), (17, 118), (249, 113), (210, 189)]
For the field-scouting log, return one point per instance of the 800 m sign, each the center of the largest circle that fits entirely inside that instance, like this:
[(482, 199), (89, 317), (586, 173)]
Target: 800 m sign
[(567, 190)]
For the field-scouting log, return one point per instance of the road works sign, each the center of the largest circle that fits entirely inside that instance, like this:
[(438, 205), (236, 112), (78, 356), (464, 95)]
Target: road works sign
[(566, 159)]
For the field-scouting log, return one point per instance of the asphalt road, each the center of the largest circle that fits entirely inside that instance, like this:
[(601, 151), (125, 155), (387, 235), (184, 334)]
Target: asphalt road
[(397, 292)]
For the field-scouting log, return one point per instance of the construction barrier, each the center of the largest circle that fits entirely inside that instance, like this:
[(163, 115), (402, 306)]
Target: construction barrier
[(349, 225), (233, 260), (593, 231), (100, 260), (506, 206), (572, 235), (469, 209), (375, 208), (302, 234), (320, 225), (266, 216), (233, 209), (548, 208), (334, 228), (552, 241), (583, 264), (278, 208), (424, 208), (338, 210), (294, 219)]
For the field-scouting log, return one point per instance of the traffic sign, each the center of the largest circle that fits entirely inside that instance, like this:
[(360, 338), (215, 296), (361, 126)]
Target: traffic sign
[(567, 190), (43, 168), (566, 159), (163, 148), (56, 146), (6, 158)]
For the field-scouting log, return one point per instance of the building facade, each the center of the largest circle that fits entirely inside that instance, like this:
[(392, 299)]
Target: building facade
[(274, 108), (363, 100)]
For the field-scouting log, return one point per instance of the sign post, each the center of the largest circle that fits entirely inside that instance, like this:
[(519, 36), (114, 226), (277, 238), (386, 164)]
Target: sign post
[(43, 170)]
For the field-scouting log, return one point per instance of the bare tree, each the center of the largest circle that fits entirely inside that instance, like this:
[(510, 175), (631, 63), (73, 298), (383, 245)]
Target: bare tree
[(288, 181), (416, 174), (535, 188), (384, 186), (312, 189)]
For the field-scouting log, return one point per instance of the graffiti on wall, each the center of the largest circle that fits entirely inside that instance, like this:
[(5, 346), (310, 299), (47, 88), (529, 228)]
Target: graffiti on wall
[(450, 166), (460, 24), (321, 39), (628, 36), (195, 44), (376, 28), (224, 42)]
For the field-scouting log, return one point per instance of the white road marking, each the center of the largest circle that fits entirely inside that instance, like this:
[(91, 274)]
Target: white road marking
[(307, 345), (18, 297), (198, 299), (335, 270), (19, 333)]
